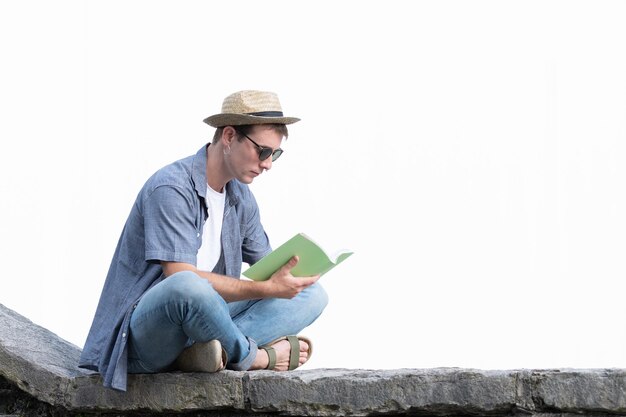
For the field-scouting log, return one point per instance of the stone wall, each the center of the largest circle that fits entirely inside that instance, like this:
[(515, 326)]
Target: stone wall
[(38, 376)]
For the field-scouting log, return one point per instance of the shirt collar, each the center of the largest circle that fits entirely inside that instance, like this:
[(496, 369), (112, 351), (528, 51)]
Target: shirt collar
[(198, 176)]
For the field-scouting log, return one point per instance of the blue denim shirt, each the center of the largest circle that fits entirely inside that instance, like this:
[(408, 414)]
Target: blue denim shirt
[(165, 224)]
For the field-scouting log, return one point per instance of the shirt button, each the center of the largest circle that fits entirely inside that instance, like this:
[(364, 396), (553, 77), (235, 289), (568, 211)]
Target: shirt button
[(198, 235), (123, 334)]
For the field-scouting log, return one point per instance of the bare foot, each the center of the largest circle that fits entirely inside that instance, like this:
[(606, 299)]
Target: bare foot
[(282, 349)]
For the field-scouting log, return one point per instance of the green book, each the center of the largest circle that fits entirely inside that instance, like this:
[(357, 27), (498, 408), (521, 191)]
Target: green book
[(313, 259)]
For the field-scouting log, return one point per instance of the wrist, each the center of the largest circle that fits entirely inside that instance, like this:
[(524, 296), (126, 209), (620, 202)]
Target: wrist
[(263, 289)]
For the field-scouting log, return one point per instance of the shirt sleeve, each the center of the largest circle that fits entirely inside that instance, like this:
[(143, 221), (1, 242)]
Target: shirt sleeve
[(255, 243), (170, 215)]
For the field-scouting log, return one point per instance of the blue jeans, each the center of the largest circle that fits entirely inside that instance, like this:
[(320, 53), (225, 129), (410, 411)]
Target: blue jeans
[(184, 308)]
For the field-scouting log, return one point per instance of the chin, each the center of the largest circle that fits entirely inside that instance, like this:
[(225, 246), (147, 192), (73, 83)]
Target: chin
[(246, 179)]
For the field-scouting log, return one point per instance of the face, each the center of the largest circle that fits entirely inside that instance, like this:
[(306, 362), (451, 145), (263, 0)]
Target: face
[(243, 160)]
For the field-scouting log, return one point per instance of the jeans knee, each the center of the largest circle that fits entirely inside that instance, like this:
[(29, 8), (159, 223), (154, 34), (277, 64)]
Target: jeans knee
[(318, 298), (187, 286)]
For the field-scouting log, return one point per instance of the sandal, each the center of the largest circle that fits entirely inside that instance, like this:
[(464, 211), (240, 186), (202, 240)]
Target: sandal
[(202, 357), (294, 352)]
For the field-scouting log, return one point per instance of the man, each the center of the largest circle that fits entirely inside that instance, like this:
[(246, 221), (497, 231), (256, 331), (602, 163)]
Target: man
[(172, 298)]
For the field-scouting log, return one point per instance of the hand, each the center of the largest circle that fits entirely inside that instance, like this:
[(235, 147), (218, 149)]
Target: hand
[(284, 285)]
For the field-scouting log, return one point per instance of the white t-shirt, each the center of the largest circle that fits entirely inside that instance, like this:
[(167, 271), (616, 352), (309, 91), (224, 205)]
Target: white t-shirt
[(211, 248)]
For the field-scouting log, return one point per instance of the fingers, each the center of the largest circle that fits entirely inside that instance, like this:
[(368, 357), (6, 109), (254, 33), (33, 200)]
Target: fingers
[(301, 283), (285, 285), (291, 263), (298, 284), (307, 281)]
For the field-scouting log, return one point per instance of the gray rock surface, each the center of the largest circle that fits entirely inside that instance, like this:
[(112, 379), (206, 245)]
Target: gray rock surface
[(35, 359), (343, 391), (43, 366), (570, 390)]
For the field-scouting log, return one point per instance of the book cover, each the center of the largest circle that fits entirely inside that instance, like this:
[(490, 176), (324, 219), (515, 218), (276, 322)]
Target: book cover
[(313, 259)]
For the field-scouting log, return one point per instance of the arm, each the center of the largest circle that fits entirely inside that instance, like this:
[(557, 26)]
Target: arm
[(280, 285)]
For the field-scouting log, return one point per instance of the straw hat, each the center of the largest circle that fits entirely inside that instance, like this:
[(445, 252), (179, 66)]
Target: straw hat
[(250, 107)]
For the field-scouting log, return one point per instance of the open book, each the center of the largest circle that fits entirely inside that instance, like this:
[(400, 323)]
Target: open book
[(313, 259)]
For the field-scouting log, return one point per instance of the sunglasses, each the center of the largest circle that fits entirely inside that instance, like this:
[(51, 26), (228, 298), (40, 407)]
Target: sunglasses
[(264, 151)]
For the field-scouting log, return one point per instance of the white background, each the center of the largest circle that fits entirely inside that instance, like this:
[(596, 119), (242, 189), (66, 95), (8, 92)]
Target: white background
[(471, 153)]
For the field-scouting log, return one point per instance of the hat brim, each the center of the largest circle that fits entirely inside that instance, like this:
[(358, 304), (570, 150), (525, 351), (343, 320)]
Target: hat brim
[(237, 119)]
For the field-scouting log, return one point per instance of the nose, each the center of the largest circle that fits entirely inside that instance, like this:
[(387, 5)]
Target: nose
[(266, 164)]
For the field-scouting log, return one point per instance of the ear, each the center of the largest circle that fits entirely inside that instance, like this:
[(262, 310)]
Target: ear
[(228, 135)]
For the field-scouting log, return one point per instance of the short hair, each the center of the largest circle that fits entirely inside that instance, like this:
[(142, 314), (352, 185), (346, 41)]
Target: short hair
[(246, 129)]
